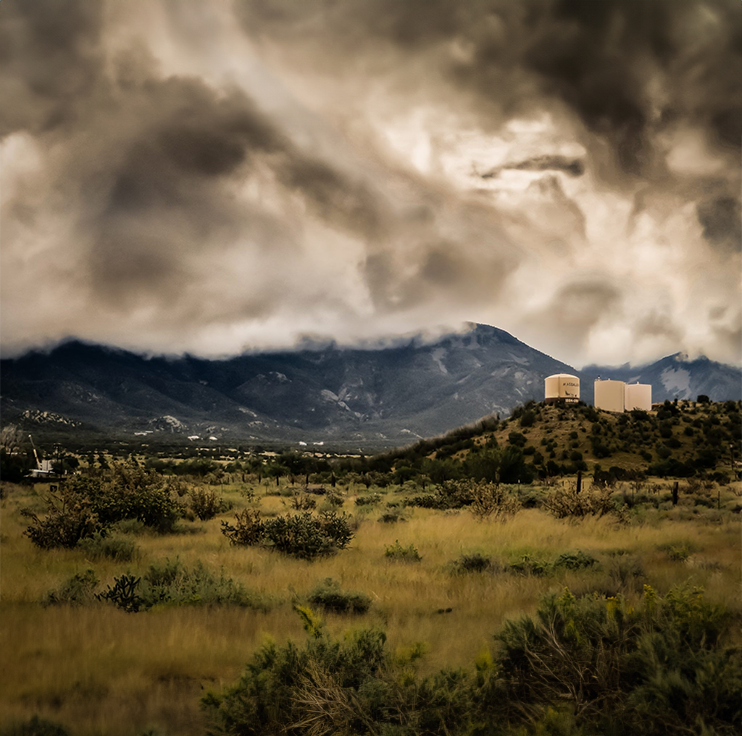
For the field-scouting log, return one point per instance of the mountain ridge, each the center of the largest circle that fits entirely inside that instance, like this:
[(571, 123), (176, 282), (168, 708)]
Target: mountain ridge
[(370, 397)]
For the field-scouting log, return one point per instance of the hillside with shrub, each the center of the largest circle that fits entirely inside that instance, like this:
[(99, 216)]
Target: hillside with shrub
[(680, 439)]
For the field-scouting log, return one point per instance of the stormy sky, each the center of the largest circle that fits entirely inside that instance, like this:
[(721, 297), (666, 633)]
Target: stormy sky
[(183, 176)]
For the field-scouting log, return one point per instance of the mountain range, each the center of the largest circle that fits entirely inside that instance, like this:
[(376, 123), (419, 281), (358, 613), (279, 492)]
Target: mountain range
[(349, 398)]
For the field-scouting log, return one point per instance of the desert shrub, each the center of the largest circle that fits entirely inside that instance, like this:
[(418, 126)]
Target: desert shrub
[(36, 726), (303, 535), (566, 502), (474, 562), (450, 494), (392, 516), (679, 551), (308, 536), (491, 500), (86, 505), (578, 560), (70, 517), (247, 530), (76, 590), (527, 565), (99, 547), (351, 685), (176, 585), (329, 596), (334, 500), (402, 554), (488, 498), (124, 593), (302, 502), (625, 574), (205, 503), (133, 493), (370, 499), (644, 669)]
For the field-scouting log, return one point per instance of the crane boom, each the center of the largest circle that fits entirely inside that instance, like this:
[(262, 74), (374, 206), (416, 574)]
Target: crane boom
[(35, 454)]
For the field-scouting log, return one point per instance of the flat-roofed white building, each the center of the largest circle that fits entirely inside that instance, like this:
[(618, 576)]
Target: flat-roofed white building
[(561, 387), (610, 395), (638, 396)]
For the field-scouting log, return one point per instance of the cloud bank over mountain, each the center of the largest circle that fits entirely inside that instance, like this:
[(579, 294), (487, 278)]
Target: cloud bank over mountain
[(210, 178)]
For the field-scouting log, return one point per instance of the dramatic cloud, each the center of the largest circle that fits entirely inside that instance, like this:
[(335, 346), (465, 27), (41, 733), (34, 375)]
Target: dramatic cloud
[(183, 176)]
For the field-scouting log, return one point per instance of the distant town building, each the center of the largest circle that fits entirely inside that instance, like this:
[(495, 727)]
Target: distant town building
[(561, 387), (617, 396)]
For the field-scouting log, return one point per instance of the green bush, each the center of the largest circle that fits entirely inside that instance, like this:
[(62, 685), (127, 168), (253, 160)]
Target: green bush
[(474, 562), (174, 584), (369, 500), (566, 502), (70, 517), (308, 536), (76, 590), (450, 494), (529, 566), (205, 503), (392, 516), (302, 502), (353, 685), (329, 596), (578, 560), (247, 530), (99, 547), (645, 669), (302, 535), (86, 505), (678, 552), (402, 554), (492, 500), (334, 500), (134, 493)]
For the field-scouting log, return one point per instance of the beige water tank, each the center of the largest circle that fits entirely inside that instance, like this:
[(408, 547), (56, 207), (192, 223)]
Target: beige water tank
[(638, 396), (561, 387), (610, 395)]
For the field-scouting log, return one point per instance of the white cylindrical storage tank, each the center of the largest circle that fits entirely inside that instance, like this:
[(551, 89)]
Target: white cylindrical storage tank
[(610, 395), (638, 396), (561, 387)]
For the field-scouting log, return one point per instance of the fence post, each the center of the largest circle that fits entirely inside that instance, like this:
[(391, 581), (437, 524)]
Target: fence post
[(675, 494)]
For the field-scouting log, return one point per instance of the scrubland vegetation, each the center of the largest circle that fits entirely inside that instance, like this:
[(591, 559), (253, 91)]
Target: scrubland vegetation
[(375, 596)]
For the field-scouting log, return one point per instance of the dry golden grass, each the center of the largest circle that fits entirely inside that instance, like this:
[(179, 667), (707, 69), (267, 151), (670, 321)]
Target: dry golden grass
[(100, 670)]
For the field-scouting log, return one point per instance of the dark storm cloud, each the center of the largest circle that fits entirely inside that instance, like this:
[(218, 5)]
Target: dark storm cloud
[(570, 166), (721, 220), (147, 168), (155, 157), (49, 59), (174, 174), (626, 69), (657, 325), (576, 309)]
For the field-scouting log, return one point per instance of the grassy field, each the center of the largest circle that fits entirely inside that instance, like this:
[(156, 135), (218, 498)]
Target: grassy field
[(99, 670)]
